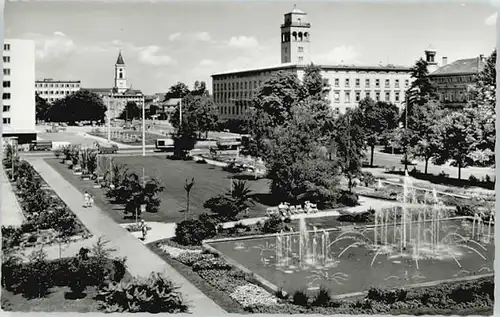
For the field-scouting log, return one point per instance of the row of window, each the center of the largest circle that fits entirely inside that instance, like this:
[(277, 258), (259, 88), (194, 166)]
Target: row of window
[(6, 108), (233, 110), (6, 47), (57, 85), (6, 120), (357, 83), (57, 92), (367, 94), (460, 96), (222, 97), (6, 71), (6, 59), (454, 79), (244, 85)]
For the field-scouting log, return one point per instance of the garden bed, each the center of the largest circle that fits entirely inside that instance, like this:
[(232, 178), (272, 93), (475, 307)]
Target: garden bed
[(48, 225)]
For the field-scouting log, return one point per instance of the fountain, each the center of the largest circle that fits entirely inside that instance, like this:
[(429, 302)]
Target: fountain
[(412, 243)]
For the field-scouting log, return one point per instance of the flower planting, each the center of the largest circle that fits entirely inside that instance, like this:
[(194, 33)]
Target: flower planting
[(46, 214)]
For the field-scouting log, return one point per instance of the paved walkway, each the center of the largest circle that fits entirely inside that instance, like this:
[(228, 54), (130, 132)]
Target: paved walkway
[(140, 260), (10, 211)]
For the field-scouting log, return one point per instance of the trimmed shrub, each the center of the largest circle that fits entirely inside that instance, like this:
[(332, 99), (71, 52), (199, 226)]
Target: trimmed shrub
[(322, 298), (300, 298), (194, 231), (273, 224), (211, 263), (348, 199), (153, 295)]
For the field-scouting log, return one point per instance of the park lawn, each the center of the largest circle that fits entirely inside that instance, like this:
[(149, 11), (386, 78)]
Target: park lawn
[(55, 301), (209, 182)]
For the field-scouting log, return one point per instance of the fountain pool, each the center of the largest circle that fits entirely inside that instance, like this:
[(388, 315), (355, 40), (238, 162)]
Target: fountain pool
[(404, 246)]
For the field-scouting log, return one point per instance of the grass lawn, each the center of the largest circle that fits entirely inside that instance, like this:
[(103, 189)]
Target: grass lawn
[(209, 181), (55, 301)]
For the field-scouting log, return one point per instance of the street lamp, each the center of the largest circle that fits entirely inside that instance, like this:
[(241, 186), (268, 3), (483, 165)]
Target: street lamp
[(143, 128), (109, 116)]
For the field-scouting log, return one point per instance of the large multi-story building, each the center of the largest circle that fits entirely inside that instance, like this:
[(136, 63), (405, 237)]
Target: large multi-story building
[(52, 90), (18, 92), (233, 91), (117, 96), (453, 80)]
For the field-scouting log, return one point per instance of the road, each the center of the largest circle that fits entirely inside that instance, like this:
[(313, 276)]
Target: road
[(75, 136), (388, 160)]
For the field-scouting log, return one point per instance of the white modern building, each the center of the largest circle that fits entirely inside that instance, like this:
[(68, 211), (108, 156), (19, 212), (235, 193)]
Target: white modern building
[(52, 90), (18, 90)]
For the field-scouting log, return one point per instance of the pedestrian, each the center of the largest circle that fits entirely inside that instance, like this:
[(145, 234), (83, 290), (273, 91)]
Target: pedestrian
[(86, 197), (144, 229), (91, 200)]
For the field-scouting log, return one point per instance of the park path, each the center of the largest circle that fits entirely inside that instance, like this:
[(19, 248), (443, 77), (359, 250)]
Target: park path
[(10, 211), (141, 261)]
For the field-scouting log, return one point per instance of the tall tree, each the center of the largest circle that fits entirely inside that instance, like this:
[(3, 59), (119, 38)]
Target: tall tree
[(42, 108), (482, 108), (456, 141), (199, 89), (79, 106), (315, 86), (378, 119), (179, 90), (425, 131), (131, 111), (350, 144)]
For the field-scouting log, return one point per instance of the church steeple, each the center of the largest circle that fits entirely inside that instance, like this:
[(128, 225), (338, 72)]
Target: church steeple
[(119, 60), (120, 76)]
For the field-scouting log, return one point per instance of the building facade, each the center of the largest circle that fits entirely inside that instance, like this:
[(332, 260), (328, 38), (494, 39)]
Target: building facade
[(18, 92), (52, 90), (454, 80), (116, 97), (232, 91)]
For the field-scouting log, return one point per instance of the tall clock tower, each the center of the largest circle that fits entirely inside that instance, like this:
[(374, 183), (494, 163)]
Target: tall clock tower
[(296, 38), (120, 75)]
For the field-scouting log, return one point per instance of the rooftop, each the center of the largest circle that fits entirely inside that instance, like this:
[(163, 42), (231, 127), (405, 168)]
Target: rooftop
[(290, 66), (119, 60), (129, 92), (50, 80), (461, 66)]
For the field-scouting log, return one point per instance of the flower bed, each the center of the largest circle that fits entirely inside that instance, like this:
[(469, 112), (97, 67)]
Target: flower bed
[(220, 274), (48, 218)]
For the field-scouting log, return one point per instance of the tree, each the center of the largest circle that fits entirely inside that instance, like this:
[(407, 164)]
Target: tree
[(240, 193), (42, 108), (456, 141), (378, 118), (79, 106), (184, 140), (188, 186), (199, 112), (314, 84), (350, 145), (179, 90), (426, 139), (482, 108), (422, 89), (199, 89), (131, 112)]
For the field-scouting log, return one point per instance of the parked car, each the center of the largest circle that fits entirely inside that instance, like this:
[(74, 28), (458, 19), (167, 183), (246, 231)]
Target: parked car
[(409, 161), (106, 148), (40, 145)]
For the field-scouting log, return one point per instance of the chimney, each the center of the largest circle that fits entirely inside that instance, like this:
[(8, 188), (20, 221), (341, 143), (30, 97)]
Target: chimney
[(481, 57), (445, 61)]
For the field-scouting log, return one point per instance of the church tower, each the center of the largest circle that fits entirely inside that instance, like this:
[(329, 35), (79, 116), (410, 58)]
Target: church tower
[(430, 58), (120, 75), (295, 38)]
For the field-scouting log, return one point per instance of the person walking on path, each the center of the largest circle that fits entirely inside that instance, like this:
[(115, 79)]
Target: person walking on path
[(86, 197), (144, 229), (91, 200)]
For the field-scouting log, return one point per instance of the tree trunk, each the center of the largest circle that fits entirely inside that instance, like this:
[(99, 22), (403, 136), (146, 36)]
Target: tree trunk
[(406, 160), (371, 155), (426, 165), (187, 207), (206, 135)]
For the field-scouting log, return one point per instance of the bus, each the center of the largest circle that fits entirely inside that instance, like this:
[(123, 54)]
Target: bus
[(164, 144), (228, 143)]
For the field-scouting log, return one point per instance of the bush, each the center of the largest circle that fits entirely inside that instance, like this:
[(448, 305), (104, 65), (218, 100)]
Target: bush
[(300, 298), (364, 217), (368, 178), (189, 258), (273, 224), (11, 237), (35, 278), (153, 295), (348, 199), (281, 294), (225, 207), (322, 298), (194, 231)]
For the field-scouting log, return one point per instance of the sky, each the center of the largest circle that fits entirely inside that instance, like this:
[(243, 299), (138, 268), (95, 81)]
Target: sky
[(164, 42)]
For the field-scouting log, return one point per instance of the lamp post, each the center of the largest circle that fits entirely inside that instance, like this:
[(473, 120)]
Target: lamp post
[(180, 113), (143, 128)]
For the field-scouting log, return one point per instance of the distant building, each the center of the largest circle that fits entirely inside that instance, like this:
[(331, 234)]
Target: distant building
[(454, 80), (18, 93), (52, 90), (117, 96), (232, 91)]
